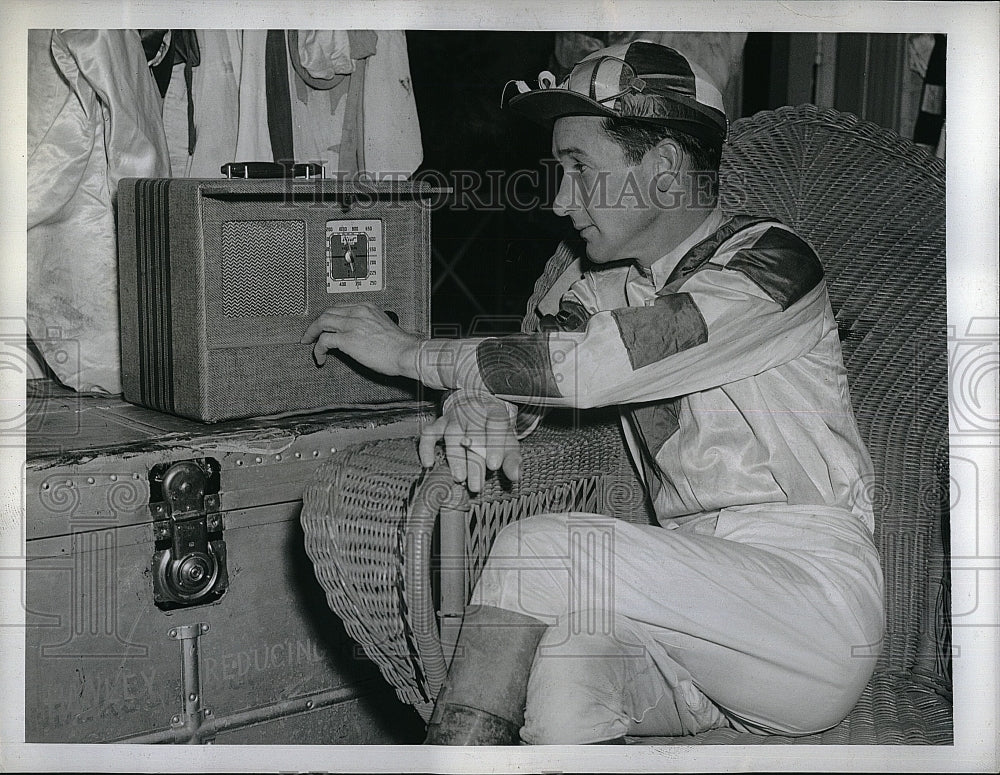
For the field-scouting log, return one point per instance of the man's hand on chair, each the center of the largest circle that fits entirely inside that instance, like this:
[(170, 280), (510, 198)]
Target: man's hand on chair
[(478, 433)]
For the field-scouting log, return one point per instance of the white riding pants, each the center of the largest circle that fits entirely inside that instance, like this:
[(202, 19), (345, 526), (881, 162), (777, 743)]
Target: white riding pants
[(768, 619)]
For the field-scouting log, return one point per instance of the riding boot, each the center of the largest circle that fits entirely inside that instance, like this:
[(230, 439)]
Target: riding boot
[(482, 700)]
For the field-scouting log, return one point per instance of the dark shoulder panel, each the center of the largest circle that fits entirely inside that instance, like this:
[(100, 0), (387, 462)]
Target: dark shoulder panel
[(697, 257), (782, 264)]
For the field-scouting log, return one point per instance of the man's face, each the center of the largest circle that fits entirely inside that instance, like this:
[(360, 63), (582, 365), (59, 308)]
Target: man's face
[(610, 201)]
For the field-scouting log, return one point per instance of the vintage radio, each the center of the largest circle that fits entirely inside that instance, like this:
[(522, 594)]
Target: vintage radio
[(219, 278)]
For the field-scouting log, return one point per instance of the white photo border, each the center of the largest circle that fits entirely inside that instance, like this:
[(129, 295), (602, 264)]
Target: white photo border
[(972, 163)]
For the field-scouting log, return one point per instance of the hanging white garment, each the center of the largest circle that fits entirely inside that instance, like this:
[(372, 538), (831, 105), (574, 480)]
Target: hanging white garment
[(230, 105), (392, 144), (93, 118), (324, 54), (230, 101), (215, 93), (326, 79), (253, 141)]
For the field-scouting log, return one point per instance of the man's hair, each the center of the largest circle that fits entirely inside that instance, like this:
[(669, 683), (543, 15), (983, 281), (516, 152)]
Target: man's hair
[(636, 137)]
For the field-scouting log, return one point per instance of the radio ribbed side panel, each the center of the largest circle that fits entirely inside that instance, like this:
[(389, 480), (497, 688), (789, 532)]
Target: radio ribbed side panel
[(155, 334)]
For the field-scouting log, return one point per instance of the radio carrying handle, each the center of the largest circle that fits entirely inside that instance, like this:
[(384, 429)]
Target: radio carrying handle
[(271, 169)]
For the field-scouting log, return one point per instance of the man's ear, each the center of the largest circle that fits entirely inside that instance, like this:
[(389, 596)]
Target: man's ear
[(669, 160)]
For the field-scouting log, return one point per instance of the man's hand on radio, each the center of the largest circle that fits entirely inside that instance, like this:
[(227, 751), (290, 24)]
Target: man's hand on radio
[(366, 334), (478, 433)]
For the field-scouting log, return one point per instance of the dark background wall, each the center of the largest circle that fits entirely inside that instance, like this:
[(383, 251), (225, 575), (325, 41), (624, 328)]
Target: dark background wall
[(488, 251), (486, 258)]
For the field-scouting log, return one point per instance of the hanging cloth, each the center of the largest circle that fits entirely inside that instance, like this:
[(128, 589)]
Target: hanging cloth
[(390, 140), (164, 49), (93, 118), (327, 84), (186, 50), (253, 140), (279, 106), (159, 56)]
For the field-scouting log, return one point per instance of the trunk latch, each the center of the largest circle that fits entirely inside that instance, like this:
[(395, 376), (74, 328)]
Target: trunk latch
[(189, 561)]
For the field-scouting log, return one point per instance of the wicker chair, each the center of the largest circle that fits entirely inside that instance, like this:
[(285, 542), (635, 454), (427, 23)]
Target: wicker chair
[(398, 550)]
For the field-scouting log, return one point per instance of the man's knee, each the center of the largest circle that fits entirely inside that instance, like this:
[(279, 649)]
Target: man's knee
[(575, 691), (564, 709)]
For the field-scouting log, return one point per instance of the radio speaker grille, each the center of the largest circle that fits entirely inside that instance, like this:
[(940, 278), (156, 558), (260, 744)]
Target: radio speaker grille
[(263, 268)]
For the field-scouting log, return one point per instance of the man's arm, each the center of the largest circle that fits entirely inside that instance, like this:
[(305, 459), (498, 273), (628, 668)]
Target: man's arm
[(481, 431), (720, 327), (751, 309)]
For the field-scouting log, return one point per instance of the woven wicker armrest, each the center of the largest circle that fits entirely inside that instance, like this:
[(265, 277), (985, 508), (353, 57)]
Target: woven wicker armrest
[(370, 519)]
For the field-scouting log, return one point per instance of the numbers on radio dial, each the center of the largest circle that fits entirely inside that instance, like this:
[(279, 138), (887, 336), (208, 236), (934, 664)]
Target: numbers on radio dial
[(354, 259)]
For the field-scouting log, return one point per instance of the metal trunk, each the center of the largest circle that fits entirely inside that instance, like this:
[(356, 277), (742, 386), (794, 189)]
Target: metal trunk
[(168, 594)]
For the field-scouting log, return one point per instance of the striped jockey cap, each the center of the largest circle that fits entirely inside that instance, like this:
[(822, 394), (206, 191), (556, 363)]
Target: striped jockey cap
[(638, 79)]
